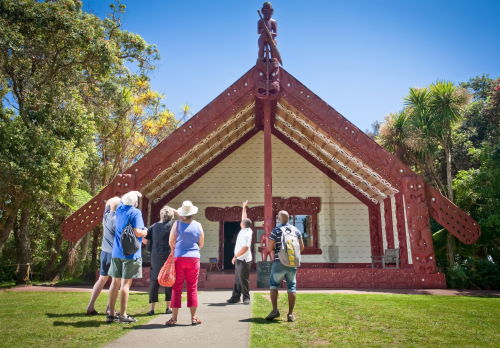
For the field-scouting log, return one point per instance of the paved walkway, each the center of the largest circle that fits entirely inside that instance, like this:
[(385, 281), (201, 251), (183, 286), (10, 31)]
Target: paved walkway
[(223, 326)]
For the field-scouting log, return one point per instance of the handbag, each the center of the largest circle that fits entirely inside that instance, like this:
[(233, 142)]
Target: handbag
[(166, 277), (130, 243)]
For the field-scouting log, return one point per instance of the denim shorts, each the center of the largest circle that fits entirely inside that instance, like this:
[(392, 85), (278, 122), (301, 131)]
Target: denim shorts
[(105, 263), (280, 273)]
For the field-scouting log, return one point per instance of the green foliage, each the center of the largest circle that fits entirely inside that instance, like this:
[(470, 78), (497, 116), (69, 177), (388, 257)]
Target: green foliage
[(474, 273), (76, 109), (442, 125)]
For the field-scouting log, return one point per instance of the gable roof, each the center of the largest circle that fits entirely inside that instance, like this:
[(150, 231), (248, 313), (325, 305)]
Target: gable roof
[(307, 122)]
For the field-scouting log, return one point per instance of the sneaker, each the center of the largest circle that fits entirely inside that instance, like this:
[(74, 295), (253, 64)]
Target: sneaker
[(151, 312), (233, 300), (126, 320), (246, 301), (168, 311), (111, 319), (273, 315), (290, 318)]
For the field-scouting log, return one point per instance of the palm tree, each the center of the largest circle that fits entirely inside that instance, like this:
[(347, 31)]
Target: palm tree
[(446, 105), (434, 112)]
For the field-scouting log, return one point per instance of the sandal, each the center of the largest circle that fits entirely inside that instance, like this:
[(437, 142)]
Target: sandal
[(195, 321), (92, 312), (171, 322)]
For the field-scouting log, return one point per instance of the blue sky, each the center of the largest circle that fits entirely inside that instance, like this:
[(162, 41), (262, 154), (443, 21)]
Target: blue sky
[(359, 56)]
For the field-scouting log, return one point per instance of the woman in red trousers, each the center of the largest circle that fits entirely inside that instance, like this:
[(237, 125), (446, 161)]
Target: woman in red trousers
[(186, 239)]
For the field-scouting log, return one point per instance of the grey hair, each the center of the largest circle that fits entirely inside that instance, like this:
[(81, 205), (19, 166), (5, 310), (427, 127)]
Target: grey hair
[(131, 198), (166, 213), (247, 222), (113, 202), (284, 213)]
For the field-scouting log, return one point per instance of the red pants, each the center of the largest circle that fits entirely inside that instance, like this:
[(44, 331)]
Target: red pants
[(186, 269)]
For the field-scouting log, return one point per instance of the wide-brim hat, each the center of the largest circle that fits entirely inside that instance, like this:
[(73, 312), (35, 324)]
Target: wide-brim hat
[(187, 209)]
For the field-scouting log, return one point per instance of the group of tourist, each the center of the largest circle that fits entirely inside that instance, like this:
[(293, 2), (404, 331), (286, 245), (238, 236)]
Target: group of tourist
[(177, 231)]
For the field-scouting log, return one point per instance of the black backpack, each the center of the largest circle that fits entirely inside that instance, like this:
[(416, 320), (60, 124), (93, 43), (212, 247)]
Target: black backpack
[(130, 243)]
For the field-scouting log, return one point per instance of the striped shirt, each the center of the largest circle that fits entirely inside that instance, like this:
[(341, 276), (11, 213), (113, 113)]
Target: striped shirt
[(276, 236)]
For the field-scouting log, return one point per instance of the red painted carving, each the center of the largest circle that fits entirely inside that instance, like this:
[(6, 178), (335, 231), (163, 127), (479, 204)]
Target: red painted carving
[(297, 205), (267, 83), (367, 278), (234, 213), (389, 229), (90, 214), (375, 231), (401, 227), (264, 251), (417, 216), (451, 217)]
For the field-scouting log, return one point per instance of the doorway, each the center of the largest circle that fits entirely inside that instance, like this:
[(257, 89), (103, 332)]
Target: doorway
[(231, 229)]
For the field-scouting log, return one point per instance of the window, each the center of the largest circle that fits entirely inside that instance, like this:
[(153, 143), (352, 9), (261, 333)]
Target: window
[(307, 225)]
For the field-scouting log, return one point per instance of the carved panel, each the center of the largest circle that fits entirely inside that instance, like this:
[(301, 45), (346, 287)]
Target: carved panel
[(234, 213), (451, 217), (90, 214), (297, 205), (375, 230), (267, 84), (417, 216)]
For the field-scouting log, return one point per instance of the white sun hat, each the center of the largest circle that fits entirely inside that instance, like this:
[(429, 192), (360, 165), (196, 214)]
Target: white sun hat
[(187, 209)]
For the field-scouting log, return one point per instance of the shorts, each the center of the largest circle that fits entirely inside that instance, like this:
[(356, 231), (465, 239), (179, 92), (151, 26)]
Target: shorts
[(105, 263), (125, 268), (280, 273)]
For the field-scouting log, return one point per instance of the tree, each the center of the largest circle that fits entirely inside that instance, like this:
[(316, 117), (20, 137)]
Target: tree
[(55, 60)]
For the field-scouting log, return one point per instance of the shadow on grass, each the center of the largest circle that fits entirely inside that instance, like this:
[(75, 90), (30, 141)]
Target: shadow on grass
[(261, 321), (67, 315), (81, 324)]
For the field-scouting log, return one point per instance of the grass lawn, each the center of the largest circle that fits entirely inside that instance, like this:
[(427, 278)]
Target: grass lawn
[(378, 320), (57, 319)]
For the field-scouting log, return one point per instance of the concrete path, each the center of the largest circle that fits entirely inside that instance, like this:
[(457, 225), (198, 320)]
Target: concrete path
[(223, 326)]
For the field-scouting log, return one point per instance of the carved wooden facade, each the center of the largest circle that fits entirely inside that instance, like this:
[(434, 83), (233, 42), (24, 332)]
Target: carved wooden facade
[(269, 99)]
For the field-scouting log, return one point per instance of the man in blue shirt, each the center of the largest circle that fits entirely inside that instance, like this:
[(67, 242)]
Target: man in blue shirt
[(279, 272), (125, 268)]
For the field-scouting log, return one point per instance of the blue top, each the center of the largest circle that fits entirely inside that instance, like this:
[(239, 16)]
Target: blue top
[(276, 236), (108, 227), (126, 214), (188, 236)]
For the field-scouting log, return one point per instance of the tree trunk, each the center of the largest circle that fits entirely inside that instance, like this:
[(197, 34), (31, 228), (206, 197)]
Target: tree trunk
[(6, 228), (450, 239), (93, 260), (23, 248), (68, 261)]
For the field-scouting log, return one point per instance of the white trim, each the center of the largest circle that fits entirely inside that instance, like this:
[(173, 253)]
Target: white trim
[(408, 244), (382, 220), (394, 221)]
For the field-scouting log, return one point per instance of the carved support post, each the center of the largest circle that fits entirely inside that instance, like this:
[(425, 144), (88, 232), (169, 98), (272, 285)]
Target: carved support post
[(268, 169), (417, 216)]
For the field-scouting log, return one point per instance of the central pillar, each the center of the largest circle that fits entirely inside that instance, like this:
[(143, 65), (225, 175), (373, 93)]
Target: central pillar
[(268, 169)]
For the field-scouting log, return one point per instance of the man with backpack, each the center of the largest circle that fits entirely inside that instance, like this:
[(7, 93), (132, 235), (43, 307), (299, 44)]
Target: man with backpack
[(287, 244), (126, 261)]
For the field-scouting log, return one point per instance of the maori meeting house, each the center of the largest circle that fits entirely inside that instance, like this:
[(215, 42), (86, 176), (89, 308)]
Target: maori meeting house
[(269, 139)]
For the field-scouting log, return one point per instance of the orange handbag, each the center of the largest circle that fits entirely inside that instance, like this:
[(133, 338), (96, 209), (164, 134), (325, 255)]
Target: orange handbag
[(166, 277)]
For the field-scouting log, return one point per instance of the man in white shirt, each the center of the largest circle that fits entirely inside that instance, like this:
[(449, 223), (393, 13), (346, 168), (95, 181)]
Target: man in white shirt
[(241, 260)]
